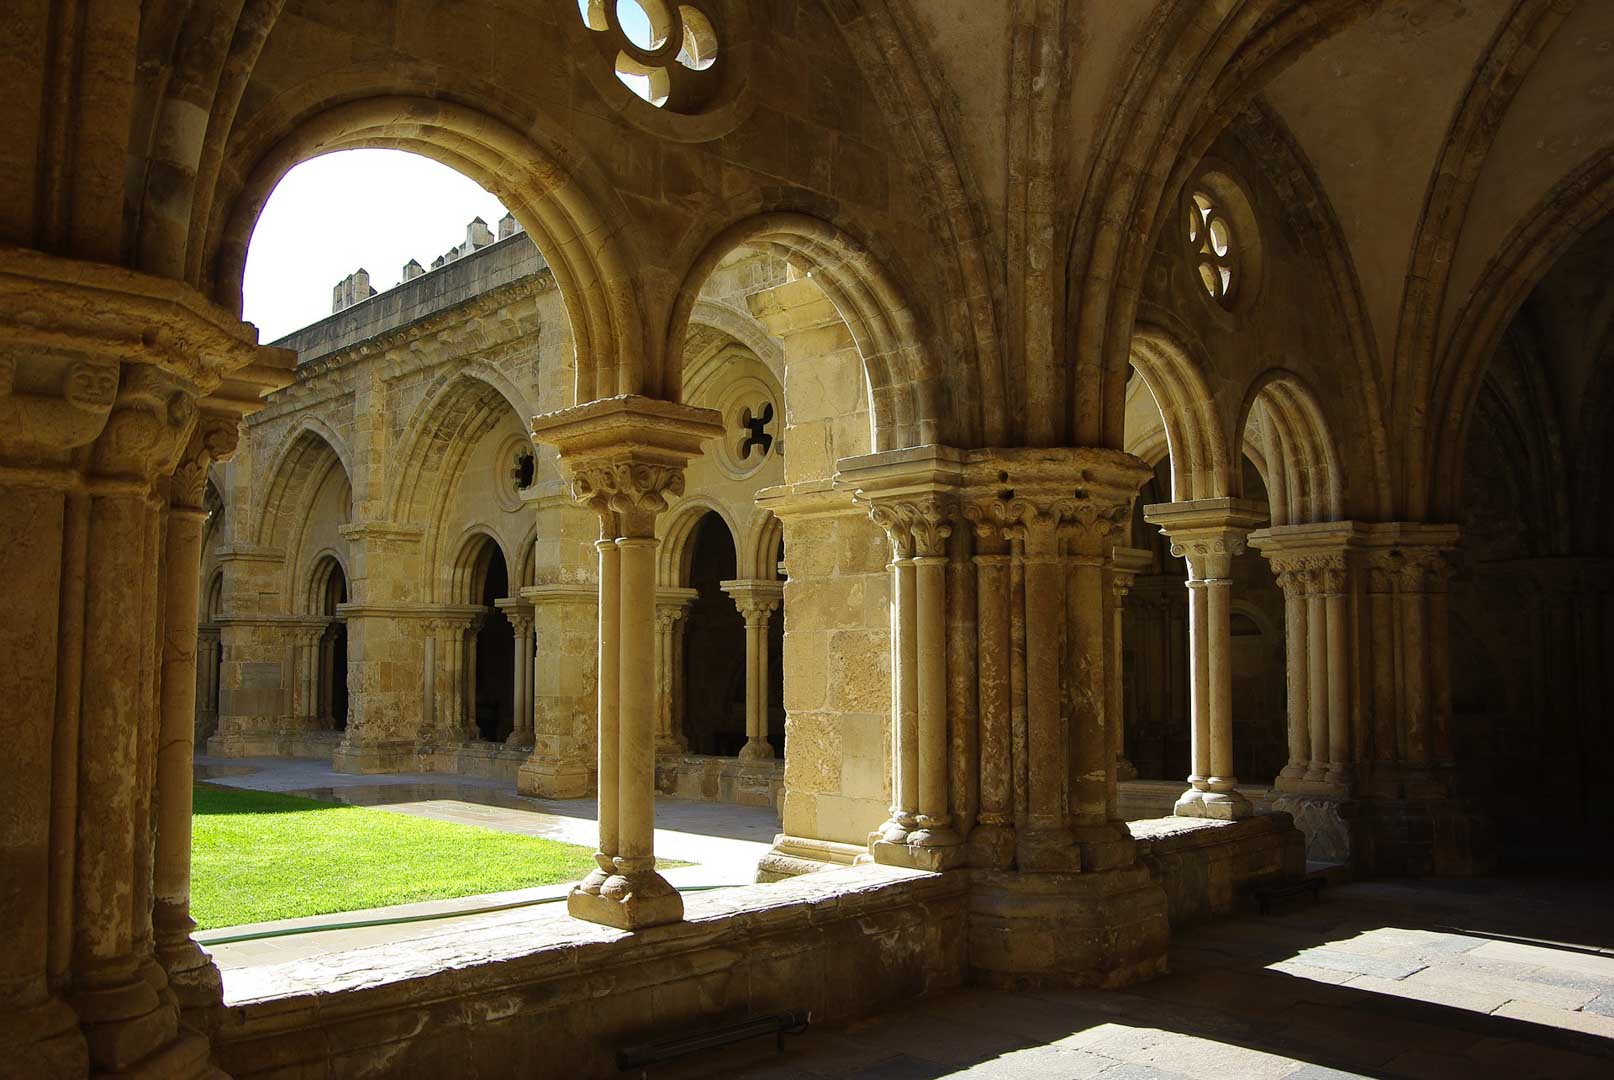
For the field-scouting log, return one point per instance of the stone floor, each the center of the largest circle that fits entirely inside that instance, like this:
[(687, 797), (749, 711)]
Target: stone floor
[(1422, 980), (722, 844)]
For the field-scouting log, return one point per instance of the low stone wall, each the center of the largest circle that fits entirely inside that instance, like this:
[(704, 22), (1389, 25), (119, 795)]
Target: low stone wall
[(482, 1000), (720, 779), (1207, 867)]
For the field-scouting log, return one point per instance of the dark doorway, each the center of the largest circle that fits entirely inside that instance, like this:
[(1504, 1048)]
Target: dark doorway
[(714, 651), (333, 652), (495, 654)]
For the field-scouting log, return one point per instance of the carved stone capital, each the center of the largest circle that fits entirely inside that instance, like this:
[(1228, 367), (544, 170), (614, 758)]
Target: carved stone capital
[(917, 526), (621, 485), (756, 600), (214, 439)]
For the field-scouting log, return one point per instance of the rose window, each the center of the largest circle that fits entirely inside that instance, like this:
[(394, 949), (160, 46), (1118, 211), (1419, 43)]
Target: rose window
[(663, 52), (1212, 246)]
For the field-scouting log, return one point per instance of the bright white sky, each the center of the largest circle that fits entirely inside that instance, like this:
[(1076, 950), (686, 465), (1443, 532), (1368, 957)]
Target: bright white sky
[(333, 214), (372, 208)]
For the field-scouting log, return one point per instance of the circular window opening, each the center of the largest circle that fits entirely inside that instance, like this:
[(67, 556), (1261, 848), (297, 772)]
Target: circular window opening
[(662, 50), (1212, 245), (517, 470)]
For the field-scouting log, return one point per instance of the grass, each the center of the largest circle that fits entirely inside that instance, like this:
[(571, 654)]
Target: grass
[(257, 856)]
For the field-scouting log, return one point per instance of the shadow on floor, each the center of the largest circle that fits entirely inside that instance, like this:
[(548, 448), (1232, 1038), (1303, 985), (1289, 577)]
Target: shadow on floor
[(1374, 981)]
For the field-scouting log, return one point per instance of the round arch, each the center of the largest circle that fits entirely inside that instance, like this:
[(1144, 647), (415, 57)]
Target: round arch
[(678, 538), (582, 245), (466, 575), (323, 568), (1561, 218), (1298, 458), (309, 449), (758, 558), (900, 365), (1200, 463)]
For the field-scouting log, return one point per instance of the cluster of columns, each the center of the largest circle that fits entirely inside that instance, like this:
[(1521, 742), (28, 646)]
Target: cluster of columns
[(672, 608), (625, 456), (108, 421)]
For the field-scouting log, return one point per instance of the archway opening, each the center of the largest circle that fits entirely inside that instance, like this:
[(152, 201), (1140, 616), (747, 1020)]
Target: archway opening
[(333, 650), (493, 693), (714, 647)]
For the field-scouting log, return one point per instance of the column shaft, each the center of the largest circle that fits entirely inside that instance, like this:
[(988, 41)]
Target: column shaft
[(190, 971), (929, 630), (636, 705), (1219, 655), (1093, 760), (1339, 715), (1317, 684), (1199, 685), (1296, 660), (610, 616)]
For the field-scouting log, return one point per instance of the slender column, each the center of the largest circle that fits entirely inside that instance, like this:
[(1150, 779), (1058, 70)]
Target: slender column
[(1047, 842), (1126, 564), (636, 706), (625, 456), (756, 601), (610, 615), (521, 725), (1209, 533), (1296, 660), (1339, 716), (930, 604), (191, 972), (468, 666), (1317, 682), (992, 841), (920, 831)]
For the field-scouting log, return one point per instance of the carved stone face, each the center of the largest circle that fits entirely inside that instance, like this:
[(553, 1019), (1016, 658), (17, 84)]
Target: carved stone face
[(91, 386)]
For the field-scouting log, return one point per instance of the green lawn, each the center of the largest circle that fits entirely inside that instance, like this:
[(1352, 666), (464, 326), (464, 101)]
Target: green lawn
[(258, 856)]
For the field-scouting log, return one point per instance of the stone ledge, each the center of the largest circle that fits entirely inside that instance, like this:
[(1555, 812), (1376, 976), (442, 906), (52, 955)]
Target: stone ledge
[(513, 993), (1206, 866)]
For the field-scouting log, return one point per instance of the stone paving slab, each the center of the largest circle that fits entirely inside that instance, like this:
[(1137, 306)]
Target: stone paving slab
[(1404, 993)]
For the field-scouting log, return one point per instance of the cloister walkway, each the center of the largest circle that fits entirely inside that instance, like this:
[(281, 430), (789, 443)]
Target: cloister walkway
[(1416, 979)]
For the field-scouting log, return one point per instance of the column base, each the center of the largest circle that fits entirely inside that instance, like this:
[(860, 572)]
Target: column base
[(126, 1022), (991, 847), (792, 856), (195, 981), (1100, 930), (757, 750), (43, 1040), (1048, 849), (917, 854), (1125, 770), (548, 778), (1221, 805), (1329, 824), (628, 902)]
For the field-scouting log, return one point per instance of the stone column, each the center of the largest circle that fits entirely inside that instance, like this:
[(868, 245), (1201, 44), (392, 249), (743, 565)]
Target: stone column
[(1127, 563), (520, 614), (672, 607), (911, 496), (1209, 533), (191, 972), (1295, 583), (101, 373), (207, 683), (625, 456), (756, 601)]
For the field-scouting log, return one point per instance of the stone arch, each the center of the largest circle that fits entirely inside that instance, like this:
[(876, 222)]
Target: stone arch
[(1298, 457), (323, 567), (452, 405), (901, 365), (678, 538), (1200, 466), (298, 468), (1567, 213), (580, 243), (741, 327), (213, 596), (763, 539), (1193, 70), (467, 574)]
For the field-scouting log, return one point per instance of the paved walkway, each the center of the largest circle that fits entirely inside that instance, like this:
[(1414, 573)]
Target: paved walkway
[(1422, 980), (721, 842)]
